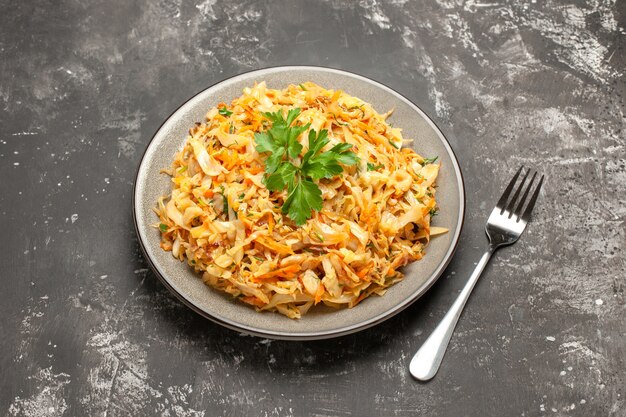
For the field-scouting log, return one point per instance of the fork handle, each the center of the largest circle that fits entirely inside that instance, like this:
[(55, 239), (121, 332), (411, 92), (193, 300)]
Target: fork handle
[(426, 361)]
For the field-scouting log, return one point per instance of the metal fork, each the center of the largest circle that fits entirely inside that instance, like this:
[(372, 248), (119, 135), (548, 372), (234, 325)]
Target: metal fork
[(504, 226)]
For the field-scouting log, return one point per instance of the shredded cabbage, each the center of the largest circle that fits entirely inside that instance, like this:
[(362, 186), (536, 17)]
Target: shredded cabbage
[(229, 227)]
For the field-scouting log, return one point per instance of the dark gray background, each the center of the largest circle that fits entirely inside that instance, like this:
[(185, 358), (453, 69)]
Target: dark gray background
[(87, 329)]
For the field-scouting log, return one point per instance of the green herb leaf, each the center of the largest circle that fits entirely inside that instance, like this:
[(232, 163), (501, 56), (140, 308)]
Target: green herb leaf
[(372, 167), (225, 112), (225, 198), (282, 134), (303, 198), (293, 145), (265, 142), (434, 211), (302, 87), (322, 166), (274, 160), (292, 114), (338, 122), (341, 147), (281, 142), (163, 227), (430, 160), (316, 143), (277, 118), (347, 158), (281, 177), (326, 165)]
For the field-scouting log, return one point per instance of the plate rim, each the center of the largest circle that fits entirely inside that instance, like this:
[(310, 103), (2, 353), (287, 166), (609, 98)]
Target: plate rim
[(319, 335)]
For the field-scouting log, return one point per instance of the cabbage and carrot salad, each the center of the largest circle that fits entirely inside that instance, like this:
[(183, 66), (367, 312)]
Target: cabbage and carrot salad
[(290, 198)]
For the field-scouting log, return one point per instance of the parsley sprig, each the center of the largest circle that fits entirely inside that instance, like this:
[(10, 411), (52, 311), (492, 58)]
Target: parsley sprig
[(374, 167), (284, 168), (225, 112)]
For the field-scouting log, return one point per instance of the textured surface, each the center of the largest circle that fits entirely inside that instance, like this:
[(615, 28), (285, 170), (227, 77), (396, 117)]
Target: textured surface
[(86, 329)]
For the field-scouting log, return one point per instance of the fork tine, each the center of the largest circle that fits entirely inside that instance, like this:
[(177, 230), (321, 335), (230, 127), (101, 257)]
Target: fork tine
[(518, 210), (531, 203), (511, 204), (505, 195)]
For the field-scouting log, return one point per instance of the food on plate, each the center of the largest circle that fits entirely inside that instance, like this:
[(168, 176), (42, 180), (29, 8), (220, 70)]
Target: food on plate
[(290, 198)]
